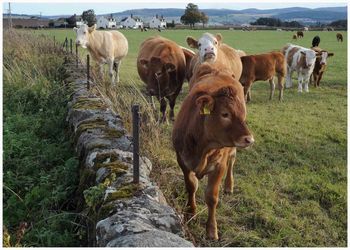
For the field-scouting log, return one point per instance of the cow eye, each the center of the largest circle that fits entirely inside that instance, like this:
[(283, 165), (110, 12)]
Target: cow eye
[(216, 42), (225, 115), (84, 32), (199, 44)]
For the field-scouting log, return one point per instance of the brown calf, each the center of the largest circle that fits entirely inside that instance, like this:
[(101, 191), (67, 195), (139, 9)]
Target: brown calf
[(207, 130), (300, 34), (339, 37), (161, 65), (263, 67), (320, 65)]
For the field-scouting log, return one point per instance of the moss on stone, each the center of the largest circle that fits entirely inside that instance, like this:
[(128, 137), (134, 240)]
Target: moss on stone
[(102, 157), (105, 210), (84, 102), (116, 167), (123, 192)]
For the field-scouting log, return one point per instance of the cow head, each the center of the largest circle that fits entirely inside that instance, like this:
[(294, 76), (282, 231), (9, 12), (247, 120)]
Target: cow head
[(159, 75), (207, 45), (83, 34), (223, 111), (323, 55), (310, 57)]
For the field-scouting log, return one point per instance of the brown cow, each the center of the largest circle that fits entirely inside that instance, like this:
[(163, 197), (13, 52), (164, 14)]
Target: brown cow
[(207, 130), (320, 65), (212, 50), (263, 67), (300, 34), (339, 37), (161, 64)]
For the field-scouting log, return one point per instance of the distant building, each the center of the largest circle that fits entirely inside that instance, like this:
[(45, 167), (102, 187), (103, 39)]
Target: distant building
[(60, 23), (131, 22), (79, 22), (106, 23), (157, 22)]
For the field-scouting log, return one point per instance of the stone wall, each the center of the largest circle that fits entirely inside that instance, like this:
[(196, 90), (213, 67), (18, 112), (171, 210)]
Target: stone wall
[(123, 214)]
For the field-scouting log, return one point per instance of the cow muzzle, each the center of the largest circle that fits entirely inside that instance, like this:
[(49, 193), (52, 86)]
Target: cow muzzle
[(245, 141), (209, 56)]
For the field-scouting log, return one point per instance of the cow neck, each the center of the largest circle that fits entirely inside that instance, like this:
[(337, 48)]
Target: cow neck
[(92, 41), (198, 145)]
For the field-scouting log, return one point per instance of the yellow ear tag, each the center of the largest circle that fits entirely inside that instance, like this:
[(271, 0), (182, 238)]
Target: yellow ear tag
[(206, 110)]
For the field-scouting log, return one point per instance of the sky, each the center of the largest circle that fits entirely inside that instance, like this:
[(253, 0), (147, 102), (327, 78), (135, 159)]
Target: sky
[(105, 7)]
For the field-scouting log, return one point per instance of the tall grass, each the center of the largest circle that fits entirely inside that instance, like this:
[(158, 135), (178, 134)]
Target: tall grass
[(40, 169)]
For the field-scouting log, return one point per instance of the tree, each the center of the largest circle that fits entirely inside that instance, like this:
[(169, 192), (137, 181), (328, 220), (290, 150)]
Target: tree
[(339, 24), (72, 21), (204, 18), (89, 17), (191, 15)]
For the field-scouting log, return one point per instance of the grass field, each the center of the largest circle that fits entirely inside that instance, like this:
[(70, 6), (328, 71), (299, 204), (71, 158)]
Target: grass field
[(291, 186)]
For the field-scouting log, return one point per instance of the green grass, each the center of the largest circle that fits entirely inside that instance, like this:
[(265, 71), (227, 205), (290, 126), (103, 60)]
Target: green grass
[(40, 167), (291, 186)]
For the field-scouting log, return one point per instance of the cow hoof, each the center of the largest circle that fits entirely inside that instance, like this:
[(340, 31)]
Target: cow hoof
[(212, 234), (228, 191)]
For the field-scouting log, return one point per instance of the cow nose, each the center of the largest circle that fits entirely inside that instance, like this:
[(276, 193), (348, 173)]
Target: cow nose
[(208, 49), (248, 139)]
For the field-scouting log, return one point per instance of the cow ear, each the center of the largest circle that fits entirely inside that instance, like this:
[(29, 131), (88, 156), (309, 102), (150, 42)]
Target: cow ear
[(92, 28), (170, 67), (205, 104), (75, 29), (218, 37), (330, 54), (193, 43), (144, 63)]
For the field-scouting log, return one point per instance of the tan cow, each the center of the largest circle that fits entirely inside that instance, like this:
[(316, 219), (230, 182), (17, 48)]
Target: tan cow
[(208, 128), (104, 47), (161, 65), (212, 50), (263, 67)]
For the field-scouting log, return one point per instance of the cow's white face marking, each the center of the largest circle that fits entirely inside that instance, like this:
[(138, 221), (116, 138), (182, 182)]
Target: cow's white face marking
[(310, 57), (324, 55), (208, 47), (82, 36)]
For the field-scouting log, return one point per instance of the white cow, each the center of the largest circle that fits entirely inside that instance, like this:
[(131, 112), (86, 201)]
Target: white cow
[(302, 60), (104, 47)]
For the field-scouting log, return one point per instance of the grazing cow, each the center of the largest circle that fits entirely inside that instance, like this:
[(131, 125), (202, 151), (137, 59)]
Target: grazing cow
[(161, 65), (339, 37), (208, 128), (104, 46), (263, 67), (320, 65), (316, 41), (212, 50), (302, 60), (300, 34), (295, 37)]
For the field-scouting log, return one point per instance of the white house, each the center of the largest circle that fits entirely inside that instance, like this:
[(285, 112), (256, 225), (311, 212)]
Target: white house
[(106, 23), (157, 22), (79, 22), (131, 22)]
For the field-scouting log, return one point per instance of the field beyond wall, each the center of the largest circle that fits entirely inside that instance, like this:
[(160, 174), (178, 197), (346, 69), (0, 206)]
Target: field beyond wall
[(291, 186)]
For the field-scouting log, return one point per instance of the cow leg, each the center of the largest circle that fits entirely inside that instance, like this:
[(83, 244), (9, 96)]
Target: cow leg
[(300, 82), (191, 183), (289, 78), (280, 86), (319, 79), (272, 88), (110, 70), (306, 84), (229, 181), (172, 100), (247, 94), (116, 66), (163, 109), (212, 198)]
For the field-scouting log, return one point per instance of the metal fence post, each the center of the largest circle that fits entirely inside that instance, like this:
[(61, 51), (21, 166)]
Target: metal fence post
[(54, 41), (88, 71), (76, 54), (135, 142), (71, 45), (66, 44)]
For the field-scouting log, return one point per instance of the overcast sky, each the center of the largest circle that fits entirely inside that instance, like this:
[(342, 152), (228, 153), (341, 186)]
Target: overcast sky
[(105, 7)]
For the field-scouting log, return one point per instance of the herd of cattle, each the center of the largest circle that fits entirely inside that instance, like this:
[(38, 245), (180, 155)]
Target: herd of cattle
[(211, 122)]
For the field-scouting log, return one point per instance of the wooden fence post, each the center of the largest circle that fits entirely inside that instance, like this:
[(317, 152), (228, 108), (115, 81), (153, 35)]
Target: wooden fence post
[(135, 142)]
